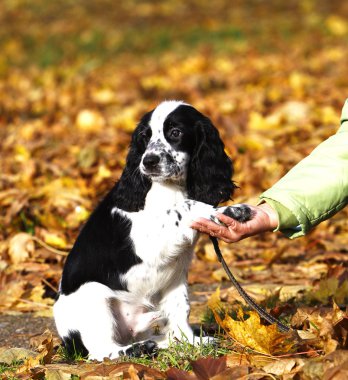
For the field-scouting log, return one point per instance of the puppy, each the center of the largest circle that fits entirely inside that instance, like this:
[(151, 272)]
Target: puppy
[(124, 284)]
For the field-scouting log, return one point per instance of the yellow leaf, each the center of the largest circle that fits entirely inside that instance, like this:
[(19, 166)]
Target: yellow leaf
[(250, 332), (253, 143), (54, 238), (89, 121), (103, 96), (214, 302), (87, 156), (298, 82), (9, 355), (329, 116), (22, 154), (257, 122), (75, 218), (342, 293), (126, 119), (103, 173), (21, 246), (330, 288), (155, 82), (10, 293), (337, 25)]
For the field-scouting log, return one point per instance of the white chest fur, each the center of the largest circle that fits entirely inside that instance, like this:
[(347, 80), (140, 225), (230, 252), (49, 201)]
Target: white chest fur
[(163, 240)]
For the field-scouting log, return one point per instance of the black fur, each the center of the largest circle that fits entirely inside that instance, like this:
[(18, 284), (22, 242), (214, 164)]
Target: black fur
[(102, 251), (242, 213), (130, 191), (210, 169), (74, 345)]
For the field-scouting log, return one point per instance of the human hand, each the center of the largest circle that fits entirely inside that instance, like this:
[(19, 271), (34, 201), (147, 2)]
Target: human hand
[(264, 218)]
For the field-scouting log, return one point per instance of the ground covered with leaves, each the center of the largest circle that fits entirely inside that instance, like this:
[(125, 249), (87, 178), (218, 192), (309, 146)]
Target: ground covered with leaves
[(75, 77)]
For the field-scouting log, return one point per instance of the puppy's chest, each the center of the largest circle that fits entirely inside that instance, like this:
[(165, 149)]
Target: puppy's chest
[(161, 241), (161, 234)]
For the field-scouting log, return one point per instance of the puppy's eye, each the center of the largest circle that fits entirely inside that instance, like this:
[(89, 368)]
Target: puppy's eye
[(175, 133)]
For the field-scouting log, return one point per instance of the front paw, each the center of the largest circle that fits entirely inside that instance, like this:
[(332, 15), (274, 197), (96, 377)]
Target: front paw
[(242, 213), (148, 347)]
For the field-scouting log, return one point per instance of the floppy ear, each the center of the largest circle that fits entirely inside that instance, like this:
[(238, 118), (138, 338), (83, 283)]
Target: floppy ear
[(210, 169), (130, 191)]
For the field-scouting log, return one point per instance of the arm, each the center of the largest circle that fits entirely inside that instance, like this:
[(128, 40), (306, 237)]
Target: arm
[(313, 191), (316, 188)]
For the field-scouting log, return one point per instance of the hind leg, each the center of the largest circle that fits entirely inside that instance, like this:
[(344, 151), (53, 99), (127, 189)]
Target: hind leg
[(85, 322)]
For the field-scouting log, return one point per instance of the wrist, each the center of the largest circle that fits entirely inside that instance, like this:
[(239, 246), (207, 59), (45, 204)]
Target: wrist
[(271, 215)]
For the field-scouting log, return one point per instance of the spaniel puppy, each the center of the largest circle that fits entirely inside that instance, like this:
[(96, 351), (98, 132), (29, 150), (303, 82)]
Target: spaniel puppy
[(124, 284)]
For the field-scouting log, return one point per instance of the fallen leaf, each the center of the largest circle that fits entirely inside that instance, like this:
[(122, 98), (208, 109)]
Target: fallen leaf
[(280, 367), (236, 373), (207, 368), (337, 25), (54, 238), (10, 355), (44, 344), (115, 371), (249, 332), (89, 121), (178, 374), (10, 293), (21, 246), (339, 372)]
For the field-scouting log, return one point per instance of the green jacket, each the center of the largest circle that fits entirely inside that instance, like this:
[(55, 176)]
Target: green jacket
[(316, 188)]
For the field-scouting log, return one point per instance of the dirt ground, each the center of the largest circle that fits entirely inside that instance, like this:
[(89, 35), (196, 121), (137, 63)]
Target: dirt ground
[(16, 330)]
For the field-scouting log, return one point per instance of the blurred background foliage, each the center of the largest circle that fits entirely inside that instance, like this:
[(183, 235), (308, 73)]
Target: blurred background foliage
[(76, 76)]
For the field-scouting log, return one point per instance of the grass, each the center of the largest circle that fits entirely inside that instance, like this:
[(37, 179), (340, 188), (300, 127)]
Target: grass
[(179, 354), (66, 356), (8, 370)]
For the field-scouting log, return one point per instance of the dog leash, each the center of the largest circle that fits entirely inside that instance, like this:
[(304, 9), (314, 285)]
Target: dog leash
[(263, 313)]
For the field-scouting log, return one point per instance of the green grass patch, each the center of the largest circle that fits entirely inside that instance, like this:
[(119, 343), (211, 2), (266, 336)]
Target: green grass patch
[(180, 354), (7, 371)]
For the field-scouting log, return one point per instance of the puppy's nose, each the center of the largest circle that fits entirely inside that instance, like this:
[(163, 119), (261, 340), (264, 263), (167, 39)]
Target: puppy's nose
[(151, 160)]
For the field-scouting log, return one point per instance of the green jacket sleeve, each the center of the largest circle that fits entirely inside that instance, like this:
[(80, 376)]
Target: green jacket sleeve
[(316, 188)]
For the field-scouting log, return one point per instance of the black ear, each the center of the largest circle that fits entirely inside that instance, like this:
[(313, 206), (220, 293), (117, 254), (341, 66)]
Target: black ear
[(210, 169), (130, 191)]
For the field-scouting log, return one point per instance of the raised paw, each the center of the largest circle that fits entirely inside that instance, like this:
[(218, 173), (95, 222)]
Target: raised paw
[(242, 213), (148, 347)]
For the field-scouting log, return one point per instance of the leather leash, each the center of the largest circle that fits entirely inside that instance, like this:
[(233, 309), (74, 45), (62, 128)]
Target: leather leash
[(263, 313)]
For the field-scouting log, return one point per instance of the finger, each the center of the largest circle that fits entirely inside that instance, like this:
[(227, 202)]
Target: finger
[(209, 227), (199, 227), (206, 223), (195, 225)]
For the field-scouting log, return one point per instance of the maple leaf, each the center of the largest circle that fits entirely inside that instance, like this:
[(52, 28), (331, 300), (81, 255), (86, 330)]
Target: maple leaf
[(250, 332)]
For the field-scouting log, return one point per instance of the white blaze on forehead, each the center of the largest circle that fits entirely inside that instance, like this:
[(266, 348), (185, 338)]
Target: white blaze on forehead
[(160, 114)]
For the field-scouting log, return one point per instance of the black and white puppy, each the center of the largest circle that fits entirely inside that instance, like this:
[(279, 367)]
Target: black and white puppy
[(125, 279)]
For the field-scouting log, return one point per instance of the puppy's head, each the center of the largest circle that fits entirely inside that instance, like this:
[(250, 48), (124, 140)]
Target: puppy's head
[(170, 140), (181, 145), (175, 143)]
